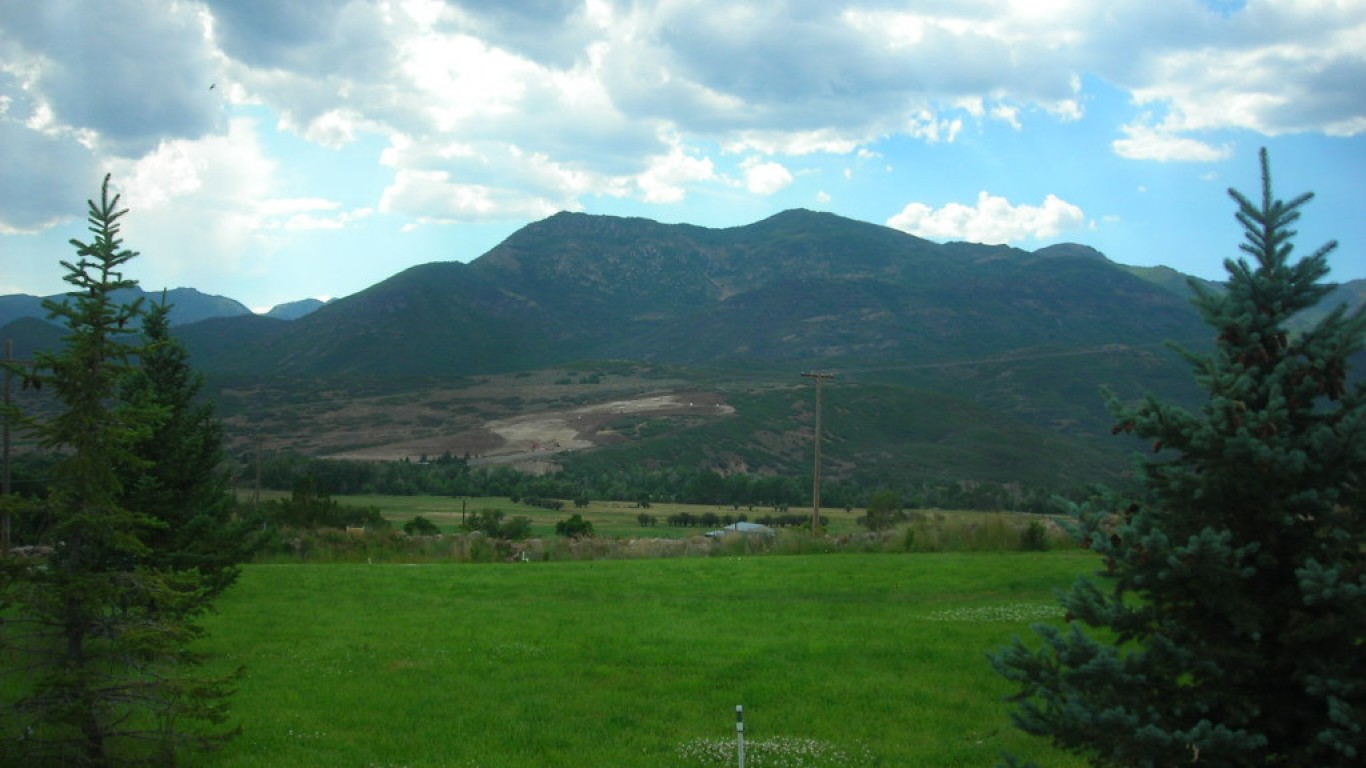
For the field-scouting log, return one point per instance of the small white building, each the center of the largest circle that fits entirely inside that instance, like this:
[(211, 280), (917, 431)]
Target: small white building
[(749, 529)]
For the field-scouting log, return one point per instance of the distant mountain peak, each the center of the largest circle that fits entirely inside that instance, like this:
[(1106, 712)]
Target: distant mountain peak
[(1071, 250), (295, 309)]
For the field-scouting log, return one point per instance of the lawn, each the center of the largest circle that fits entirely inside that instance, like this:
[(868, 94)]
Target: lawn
[(839, 660)]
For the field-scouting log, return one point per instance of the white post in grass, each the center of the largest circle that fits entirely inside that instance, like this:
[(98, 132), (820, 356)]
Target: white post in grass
[(740, 733)]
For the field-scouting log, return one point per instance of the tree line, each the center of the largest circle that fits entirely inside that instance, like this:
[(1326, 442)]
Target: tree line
[(453, 476)]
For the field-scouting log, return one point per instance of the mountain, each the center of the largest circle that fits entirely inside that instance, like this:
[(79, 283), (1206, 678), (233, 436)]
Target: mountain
[(19, 305), (1003, 351), (295, 309), (799, 288), (1021, 342), (1350, 294), (29, 335), (187, 304)]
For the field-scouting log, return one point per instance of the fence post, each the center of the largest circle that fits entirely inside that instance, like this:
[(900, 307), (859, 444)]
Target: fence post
[(740, 733)]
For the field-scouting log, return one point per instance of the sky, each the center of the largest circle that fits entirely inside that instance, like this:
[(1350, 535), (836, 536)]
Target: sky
[(273, 150)]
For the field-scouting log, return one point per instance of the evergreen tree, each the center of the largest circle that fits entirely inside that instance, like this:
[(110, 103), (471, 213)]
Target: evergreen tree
[(182, 483), (96, 636), (1233, 631)]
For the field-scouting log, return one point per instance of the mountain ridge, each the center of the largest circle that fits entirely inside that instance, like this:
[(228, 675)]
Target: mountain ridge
[(1029, 336)]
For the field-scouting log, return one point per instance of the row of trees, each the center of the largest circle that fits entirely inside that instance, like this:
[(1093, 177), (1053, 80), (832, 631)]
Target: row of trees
[(748, 492)]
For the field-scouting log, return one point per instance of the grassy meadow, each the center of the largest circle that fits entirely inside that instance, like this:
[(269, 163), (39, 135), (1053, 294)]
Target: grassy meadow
[(609, 518), (839, 660)]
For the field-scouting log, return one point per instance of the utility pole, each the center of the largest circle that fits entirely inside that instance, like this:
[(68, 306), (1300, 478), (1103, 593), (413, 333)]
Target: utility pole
[(820, 378), (256, 497)]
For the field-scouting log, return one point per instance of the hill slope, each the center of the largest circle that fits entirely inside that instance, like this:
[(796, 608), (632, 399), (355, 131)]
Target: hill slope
[(980, 361)]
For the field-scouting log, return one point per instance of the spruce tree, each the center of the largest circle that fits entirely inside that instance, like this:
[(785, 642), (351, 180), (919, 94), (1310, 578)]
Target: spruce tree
[(1229, 624), (182, 483), (96, 636)]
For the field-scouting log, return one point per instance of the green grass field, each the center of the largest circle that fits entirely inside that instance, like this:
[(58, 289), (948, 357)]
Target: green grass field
[(839, 660), (609, 518)]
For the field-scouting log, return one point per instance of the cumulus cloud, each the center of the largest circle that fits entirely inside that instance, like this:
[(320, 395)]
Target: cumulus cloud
[(667, 178), (32, 198), (765, 178), (592, 88), (433, 197), (309, 213), (1277, 66), (212, 206), (1147, 142), (124, 75), (511, 110), (993, 220)]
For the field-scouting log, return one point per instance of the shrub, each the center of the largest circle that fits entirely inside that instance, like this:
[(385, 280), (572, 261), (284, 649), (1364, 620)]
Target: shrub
[(575, 527), (420, 526), (883, 511), (1034, 538), (491, 523)]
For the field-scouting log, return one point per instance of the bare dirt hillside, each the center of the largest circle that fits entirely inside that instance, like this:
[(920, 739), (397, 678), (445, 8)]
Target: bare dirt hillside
[(521, 419), (536, 437)]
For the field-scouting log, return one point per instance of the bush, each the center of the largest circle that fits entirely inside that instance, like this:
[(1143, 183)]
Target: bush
[(1034, 538), (420, 526), (575, 527), (491, 523), (515, 528), (883, 511)]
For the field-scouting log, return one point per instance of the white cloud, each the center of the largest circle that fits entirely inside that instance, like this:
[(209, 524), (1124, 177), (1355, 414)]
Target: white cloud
[(211, 207), (765, 178), (667, 178), (198, 203), (487, 181), (924, 124), (1008, 115), (32, 197), (1278, 66), (117, 71), (795, 142), (993, 220), (301, 214), (335, 128), (1146, 142), (512, 110), (433, 197)]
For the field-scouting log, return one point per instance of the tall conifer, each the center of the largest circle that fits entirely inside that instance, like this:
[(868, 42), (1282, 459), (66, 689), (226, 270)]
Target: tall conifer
[(96, 636), (1232, 631)]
